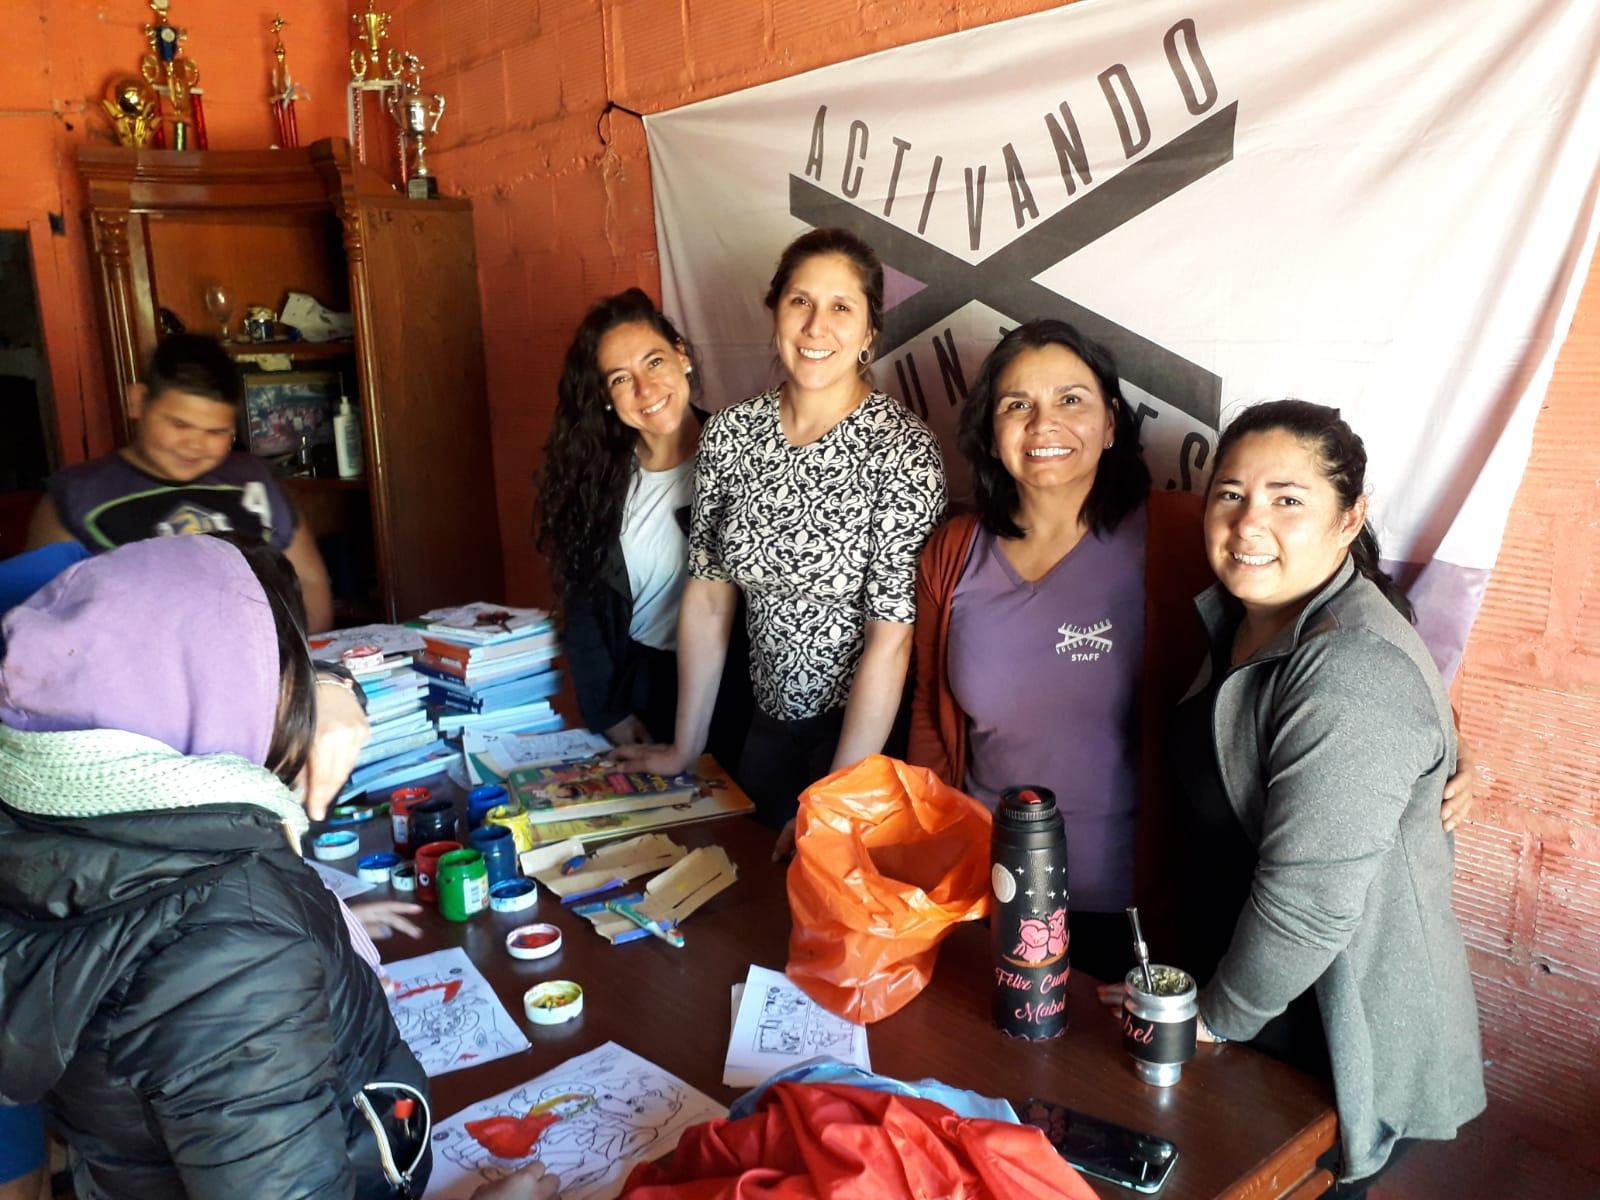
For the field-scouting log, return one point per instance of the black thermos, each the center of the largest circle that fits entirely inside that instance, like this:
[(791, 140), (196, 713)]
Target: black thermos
[(1029, 922)]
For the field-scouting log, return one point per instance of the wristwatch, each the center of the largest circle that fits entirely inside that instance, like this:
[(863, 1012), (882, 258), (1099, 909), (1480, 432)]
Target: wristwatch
[(339, 675)]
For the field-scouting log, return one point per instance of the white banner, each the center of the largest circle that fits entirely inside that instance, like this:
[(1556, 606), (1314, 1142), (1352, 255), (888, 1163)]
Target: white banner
[(1386, 206)]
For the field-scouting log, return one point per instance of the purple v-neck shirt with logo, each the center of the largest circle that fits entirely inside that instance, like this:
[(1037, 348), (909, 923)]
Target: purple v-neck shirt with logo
[(1048, 675)]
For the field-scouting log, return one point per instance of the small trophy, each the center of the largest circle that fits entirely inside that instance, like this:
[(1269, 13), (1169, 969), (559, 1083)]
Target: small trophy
[(417, 116), (285, 91), (131, 104), (176, 77)]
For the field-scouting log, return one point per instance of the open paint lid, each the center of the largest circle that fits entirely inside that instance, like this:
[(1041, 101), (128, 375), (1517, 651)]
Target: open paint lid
[(553, 1002), (533, 941)]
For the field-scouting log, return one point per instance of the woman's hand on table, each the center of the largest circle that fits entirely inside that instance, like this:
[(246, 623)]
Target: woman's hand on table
[(783, 850), (653, 756), (629, 731), (380, 918), (531, 1182), (1461, 790)]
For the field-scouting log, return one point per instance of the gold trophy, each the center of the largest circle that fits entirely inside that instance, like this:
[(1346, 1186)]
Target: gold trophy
[(371, 28), (177, 78), (374, 72), (131, 104), (417, 116)]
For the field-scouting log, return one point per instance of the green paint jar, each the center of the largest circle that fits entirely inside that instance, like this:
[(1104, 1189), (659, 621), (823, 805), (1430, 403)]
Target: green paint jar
[(463, 885)]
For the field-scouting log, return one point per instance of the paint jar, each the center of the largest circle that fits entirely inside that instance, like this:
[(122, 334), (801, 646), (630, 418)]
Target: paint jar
[(401, 802), (481, 799), (463, 885), (428, 869), (514, 819), (499, 850), (1158, 1028), (434, 821)]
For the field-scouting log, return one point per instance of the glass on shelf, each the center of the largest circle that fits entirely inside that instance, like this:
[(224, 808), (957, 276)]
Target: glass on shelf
[(219, 303)]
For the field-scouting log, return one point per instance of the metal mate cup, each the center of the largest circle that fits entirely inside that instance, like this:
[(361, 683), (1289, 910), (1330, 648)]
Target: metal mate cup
[(1158, 1028)]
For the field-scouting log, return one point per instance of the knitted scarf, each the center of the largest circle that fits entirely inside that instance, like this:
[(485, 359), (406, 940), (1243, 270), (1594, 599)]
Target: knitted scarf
[(106, 772)]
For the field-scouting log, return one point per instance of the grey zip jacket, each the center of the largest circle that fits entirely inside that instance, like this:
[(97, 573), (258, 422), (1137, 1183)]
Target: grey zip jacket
[(1334, 742)]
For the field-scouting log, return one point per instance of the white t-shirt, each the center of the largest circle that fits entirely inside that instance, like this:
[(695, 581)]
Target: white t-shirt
[(657, 552)]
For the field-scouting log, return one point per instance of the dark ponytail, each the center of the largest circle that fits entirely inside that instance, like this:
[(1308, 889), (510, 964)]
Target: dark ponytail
[(1342, 458)]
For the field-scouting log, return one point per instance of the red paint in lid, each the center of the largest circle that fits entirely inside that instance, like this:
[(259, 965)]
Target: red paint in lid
[(532, 939)]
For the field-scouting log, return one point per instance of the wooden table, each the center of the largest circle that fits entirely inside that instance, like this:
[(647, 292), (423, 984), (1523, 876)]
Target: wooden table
[(1246, 1126)]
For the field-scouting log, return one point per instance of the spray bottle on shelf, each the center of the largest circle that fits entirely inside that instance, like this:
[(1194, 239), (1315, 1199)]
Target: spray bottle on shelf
[(347, 438)]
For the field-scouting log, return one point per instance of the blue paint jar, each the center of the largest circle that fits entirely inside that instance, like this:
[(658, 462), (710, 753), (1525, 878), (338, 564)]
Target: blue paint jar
[(499, 850), (481, 799)]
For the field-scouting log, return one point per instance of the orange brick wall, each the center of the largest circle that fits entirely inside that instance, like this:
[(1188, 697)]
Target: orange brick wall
[(59, 57), (1528, 867), (564, 214)]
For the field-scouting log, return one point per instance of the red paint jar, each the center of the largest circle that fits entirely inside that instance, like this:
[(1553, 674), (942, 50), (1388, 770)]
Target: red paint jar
[(401, 802), (428, 869)]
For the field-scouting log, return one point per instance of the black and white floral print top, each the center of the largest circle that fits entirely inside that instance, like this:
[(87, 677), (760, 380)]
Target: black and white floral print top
[(821, 538)]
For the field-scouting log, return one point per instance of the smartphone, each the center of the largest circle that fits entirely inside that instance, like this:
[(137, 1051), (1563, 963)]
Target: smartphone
[(1115, 1153)]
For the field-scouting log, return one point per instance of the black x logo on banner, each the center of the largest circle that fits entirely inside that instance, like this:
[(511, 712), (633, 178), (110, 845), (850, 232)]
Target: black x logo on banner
[(1005, 280)]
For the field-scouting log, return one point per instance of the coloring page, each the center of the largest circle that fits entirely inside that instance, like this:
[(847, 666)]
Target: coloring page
[(391, 639), (588, 1120), (776, 1025), (448, 1014), (341, 883), (503, 753)]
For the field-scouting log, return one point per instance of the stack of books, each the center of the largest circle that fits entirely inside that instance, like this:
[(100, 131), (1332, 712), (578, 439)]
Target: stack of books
[(489, 668), (404, 745), (593, 801), (397, 709)]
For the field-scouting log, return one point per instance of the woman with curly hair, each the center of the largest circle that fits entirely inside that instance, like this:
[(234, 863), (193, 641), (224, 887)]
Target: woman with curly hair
[(613, 511)]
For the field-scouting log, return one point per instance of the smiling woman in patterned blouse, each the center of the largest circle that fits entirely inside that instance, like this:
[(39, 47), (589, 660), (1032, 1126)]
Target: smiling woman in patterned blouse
[(814, 499)]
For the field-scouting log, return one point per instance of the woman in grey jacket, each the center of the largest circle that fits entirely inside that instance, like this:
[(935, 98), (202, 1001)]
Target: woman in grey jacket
[(1314, 751)]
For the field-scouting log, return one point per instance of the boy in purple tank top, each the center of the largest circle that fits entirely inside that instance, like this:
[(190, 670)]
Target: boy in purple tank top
[(179, 474)]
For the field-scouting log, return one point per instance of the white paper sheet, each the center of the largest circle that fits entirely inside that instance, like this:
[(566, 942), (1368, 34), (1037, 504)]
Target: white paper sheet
[(448, 1013), (617, 1110), (391, 639), (776, 1025), (341, 885), (503, 753)]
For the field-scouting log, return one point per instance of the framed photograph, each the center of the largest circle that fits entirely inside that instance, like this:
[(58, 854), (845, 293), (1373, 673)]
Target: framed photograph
[(282, 406)]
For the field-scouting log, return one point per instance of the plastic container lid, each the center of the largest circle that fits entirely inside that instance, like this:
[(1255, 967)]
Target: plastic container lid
[(338, 844), (533, 941), (554, 1002), (512, 895), (376, 868)]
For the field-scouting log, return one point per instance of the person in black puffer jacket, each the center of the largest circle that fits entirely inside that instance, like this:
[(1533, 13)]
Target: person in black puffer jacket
[(176, 984)]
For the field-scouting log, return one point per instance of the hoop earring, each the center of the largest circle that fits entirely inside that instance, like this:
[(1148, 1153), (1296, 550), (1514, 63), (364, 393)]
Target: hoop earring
[(864, 358)]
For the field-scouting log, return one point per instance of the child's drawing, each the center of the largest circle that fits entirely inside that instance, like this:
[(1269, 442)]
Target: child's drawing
[(791, 1023), (776, 1025), (589, 1121), (448, 1014)]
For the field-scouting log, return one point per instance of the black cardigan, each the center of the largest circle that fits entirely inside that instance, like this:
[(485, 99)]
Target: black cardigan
[(605, 661)]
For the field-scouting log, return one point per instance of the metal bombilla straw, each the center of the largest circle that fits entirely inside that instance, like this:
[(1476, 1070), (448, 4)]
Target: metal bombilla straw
[(1141, 951)]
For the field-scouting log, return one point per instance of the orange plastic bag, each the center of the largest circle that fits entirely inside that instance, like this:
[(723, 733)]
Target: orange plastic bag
[(887, 860)]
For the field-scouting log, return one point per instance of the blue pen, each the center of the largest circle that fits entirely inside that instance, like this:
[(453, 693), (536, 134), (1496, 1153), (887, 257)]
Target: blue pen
[(623, 909)]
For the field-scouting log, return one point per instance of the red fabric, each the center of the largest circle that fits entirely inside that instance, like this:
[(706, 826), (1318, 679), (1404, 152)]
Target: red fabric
[(816, 1141)]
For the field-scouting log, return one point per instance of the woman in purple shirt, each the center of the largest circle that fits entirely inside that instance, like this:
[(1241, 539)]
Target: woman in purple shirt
[(1056, 629)]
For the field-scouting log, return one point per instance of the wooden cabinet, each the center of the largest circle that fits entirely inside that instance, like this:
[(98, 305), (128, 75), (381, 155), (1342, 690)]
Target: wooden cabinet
[(420, 529)]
